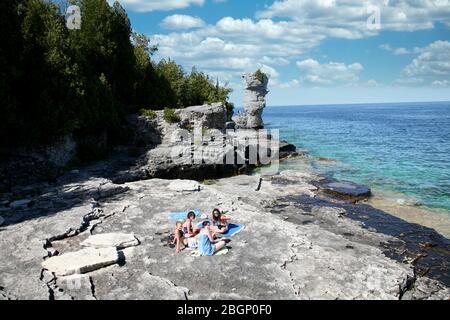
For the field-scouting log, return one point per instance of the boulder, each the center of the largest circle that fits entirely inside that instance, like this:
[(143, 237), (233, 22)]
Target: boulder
[(287, 149), (81, 261), (346, 190), (108, 240), (184, 185), (210, 116)]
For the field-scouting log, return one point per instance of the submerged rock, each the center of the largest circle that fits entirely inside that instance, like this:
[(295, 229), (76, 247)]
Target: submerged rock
[(19, 204), (346, 190)]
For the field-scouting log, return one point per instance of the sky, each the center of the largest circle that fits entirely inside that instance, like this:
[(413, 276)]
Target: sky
[(315, 51)]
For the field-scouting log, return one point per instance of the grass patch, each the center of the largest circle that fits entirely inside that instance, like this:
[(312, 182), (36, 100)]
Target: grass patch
[(209, 182), (147, 113), (170, 116)]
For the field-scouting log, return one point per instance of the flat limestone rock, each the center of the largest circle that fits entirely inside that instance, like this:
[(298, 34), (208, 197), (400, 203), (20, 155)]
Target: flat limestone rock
[(82, 261), (347, 190), (108, 240), (184, 185)]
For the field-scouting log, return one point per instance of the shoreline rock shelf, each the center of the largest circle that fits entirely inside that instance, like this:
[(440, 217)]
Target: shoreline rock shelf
[(298, 244), (100, 232)]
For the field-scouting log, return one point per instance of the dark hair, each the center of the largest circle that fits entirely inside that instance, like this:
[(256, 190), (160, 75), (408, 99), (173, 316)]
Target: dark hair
[(205, 223), (191, 214), (214, 215)]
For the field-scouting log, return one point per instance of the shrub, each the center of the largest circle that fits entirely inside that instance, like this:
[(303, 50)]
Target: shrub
[(148, 113), (260, 75), (188, 126), (209, 182), (170, 116)]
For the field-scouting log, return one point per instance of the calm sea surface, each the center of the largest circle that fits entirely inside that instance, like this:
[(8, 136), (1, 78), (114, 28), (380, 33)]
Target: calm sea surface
[(400, 148)]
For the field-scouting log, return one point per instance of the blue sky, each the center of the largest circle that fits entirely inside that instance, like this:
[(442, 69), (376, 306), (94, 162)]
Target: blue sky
[(316, 52)]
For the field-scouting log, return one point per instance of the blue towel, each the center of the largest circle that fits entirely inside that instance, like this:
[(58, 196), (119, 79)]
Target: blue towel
[(233, 229), (182, 215)]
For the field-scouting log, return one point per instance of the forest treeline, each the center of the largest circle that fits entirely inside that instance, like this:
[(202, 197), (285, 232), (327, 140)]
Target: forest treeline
[(55, 81)]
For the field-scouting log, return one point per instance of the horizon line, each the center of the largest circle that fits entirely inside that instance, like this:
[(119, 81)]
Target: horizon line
[(353, 103)]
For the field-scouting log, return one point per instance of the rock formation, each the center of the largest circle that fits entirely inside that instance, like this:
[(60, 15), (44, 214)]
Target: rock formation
[(70, 243), (167, 153), (254, 101)]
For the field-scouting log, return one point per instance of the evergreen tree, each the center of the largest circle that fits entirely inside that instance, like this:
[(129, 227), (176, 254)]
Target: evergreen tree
[(56, 81), (10, 47)]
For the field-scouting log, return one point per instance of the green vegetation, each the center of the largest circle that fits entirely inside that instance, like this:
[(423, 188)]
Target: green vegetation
[(55, 81), (259, 75), (209, 182), (170, 116), (148, 113)]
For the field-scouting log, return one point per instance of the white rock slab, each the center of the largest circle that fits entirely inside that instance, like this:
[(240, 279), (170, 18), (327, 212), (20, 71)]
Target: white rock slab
[(82, 261), (107, 240), (184, 185)]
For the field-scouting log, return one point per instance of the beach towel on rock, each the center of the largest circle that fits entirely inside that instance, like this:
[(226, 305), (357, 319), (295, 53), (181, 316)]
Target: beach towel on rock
[(233, 229), (182, 215), (221, 252)]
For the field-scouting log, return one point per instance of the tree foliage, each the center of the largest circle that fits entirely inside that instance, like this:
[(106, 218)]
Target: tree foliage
[(55, 81)]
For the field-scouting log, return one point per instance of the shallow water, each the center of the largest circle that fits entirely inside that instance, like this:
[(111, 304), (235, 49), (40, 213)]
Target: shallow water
[(401, 150)]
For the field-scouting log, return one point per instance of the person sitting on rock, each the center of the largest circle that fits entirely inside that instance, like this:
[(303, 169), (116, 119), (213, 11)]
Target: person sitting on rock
[(189, 229), (219, 222), (206, 244), (180, 238)]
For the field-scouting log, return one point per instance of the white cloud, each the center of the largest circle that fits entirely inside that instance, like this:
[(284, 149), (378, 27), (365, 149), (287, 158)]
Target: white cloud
[(433, 60), (441, 83), (181, 21), (396, 51), (431, 67), (351, 15), (287, 30), (155, 5), (238, 44), (372, 83), (329, 73), (289, 84)]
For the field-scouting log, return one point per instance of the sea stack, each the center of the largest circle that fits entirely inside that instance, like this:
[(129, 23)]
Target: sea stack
[(254, 101)]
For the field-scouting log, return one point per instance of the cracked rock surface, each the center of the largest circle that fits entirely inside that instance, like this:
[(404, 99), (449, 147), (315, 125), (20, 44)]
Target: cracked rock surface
[(297, 244)]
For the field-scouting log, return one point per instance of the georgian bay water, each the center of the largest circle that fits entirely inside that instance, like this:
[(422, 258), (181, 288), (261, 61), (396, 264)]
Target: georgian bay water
[(400, 149)]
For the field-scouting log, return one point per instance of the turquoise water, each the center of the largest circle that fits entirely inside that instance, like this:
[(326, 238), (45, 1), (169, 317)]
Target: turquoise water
[(401, 148)]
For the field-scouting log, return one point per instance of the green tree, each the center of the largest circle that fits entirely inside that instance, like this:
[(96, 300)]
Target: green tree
[(10, 70)]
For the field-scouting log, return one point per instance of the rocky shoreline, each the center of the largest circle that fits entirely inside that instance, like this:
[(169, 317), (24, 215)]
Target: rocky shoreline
[(100, 231), (300, 242)]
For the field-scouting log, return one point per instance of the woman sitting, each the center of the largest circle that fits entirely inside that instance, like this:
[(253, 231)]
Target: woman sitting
[(206, 244), (219, 222)]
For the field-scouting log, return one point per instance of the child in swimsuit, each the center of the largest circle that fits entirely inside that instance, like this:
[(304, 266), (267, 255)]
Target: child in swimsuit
[(189, 229), (206, 244), (180, 238)]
